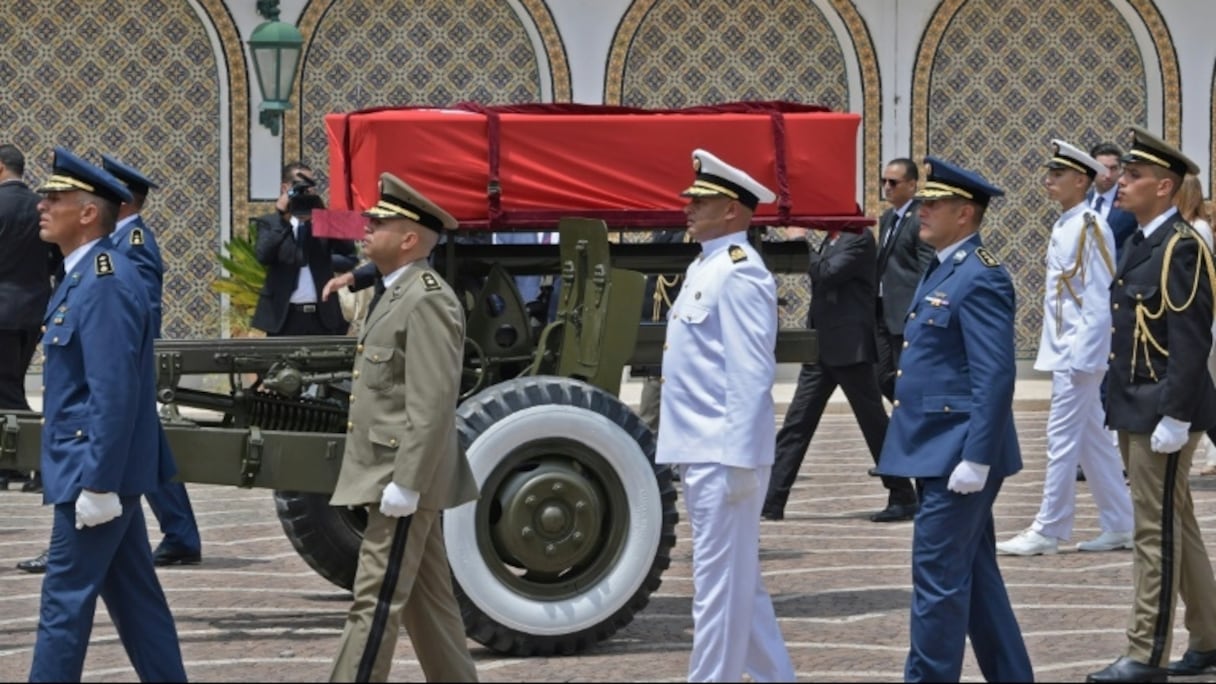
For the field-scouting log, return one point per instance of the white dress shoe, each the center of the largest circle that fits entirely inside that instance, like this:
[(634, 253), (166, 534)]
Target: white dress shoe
[(1107, 541), (1028, 543)]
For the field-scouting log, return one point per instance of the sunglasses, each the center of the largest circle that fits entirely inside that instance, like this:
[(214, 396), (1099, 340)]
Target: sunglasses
[(892, 181)]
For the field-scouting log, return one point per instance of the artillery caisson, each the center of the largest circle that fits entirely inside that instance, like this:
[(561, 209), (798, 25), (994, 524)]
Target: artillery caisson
[(575, 522)]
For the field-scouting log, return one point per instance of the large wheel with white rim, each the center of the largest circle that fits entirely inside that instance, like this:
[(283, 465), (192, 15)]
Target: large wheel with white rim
[(575, 522)]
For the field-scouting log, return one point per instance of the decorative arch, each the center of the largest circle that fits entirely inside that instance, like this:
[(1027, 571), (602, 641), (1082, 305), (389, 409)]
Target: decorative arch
[(505, 45), (864, 97), (991, 98)]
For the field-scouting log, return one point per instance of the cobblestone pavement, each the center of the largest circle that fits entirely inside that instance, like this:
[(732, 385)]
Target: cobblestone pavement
[(253, 611)]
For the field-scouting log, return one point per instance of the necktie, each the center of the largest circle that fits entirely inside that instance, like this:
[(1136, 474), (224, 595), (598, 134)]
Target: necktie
[(1137, 237), (931, 267), (891, 230), (376, 297), (1098, 203)]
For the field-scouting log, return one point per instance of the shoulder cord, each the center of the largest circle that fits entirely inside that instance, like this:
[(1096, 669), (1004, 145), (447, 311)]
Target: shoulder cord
[(1143, 337), (1078, 267)]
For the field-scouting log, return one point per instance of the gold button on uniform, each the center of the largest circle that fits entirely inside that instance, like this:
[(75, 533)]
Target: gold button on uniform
[(359, 348), (895, 404), (664, 346), (392, 442), (350, 425), (80, 433), (662, 380), (356, 374), (912, 315), (1115, 306), (946, 408), (905, 344), (1120, 282), (44, 328), (1112, 356), (55, 340), (899, 373), (352, 398)]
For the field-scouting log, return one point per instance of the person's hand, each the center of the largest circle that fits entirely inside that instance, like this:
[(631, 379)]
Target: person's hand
[(968, 477), (1170, 435), (740, 483), (337, 283), (96, 508), (397, 501)]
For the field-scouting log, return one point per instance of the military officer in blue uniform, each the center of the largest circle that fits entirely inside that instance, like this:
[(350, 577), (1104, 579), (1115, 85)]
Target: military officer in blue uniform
[(132, 239), (99, 438), (717, 425), (1160, 399), (952, 429)]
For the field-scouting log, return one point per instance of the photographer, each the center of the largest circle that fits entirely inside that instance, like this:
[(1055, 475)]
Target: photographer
[(298, 264)]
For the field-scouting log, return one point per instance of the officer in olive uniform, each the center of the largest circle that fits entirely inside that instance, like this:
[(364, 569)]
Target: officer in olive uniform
[(402, 459), (99, 439), (952, 428), (1160, 399), (132, 239), (717, 425)]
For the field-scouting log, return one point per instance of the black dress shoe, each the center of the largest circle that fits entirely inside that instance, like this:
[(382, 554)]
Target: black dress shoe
[(1193, 663), (34, 566), (1080, 474), (1127, 670), (770, 514), (34, 485), (164, 557), (895, 513)]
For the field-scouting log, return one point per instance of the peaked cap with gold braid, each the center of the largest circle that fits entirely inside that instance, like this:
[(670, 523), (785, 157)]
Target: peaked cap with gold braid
[(947, 180), (398, 200), (69, 172), (717, 178), (1066, 156), (1149, 149)]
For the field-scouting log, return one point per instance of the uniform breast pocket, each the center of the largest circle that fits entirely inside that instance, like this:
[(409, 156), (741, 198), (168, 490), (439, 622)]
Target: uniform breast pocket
[(385, 439), (947, 403), (68, 431), (935, 317), (693, 314), (379, 364), (1140, 293), (58, 336)]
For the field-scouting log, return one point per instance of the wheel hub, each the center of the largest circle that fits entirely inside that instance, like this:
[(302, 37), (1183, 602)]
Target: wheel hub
[(550, 517)]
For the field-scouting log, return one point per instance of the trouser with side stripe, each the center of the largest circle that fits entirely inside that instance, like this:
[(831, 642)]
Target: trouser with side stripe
[(411, 553), (1169, 557)]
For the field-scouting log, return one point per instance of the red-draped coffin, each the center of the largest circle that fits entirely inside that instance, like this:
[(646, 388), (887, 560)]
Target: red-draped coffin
[(526, 166)]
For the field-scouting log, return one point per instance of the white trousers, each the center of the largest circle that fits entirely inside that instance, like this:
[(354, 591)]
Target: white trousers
[(1076, 433), (734, 627)]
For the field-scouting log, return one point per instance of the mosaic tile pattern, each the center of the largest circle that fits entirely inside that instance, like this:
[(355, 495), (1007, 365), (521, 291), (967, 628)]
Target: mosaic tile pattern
[(1002, 80), (366, 53), (85, 76), (679, 53)]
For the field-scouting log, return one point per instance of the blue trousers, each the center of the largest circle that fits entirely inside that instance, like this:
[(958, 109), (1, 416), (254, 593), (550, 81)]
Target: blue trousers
[(114, 561), (958, 590), (171, 505)]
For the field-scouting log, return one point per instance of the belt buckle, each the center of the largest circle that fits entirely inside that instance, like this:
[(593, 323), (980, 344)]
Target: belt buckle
[(308, 308)]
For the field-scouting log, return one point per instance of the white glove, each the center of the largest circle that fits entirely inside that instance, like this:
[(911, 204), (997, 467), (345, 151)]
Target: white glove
[(1170, 435), (740, 483), (968, 477), (397, 501), (96, 508)]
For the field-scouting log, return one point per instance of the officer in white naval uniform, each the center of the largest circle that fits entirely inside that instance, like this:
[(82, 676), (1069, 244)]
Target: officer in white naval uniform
[(1074, 347), (717, 425)]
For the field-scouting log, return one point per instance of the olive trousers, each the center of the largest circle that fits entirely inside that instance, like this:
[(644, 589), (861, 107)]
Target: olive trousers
[(1169, 558), (403, 579)]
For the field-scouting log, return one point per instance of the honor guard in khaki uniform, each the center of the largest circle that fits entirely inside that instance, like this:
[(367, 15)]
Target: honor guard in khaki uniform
[(1073, 348), (717, 424), (1160, 398), (402, 459)]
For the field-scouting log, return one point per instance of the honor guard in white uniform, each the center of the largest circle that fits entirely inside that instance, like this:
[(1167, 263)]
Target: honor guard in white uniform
[(717, 425), (1074, 348)]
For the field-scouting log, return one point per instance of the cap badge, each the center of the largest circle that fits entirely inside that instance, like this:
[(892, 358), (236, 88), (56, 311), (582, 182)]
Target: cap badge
[(696, 164)]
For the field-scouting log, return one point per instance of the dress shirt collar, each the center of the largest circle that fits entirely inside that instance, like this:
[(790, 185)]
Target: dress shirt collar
[(710, 247), (396, 275), (942, 254), (1156, 223), (70, 261), (1071, 212)]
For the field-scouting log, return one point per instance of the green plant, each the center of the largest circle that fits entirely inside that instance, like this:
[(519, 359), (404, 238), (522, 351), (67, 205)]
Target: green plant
[(244, 279)]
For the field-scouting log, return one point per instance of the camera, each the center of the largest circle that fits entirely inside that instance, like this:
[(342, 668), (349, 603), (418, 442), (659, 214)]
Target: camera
[(301, 199)]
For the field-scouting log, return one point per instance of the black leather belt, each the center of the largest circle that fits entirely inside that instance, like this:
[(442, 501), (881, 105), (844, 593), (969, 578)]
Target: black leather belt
[(304, 308)]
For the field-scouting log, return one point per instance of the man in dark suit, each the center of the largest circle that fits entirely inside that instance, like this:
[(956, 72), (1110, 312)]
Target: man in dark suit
[(842, 310), (1160, 399), (298, 264), (1101, 197), (25, 278), (902, 258), (952, 429)]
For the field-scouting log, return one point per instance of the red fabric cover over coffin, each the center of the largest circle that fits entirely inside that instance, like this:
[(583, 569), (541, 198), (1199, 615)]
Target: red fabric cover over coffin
[(625, 165)]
